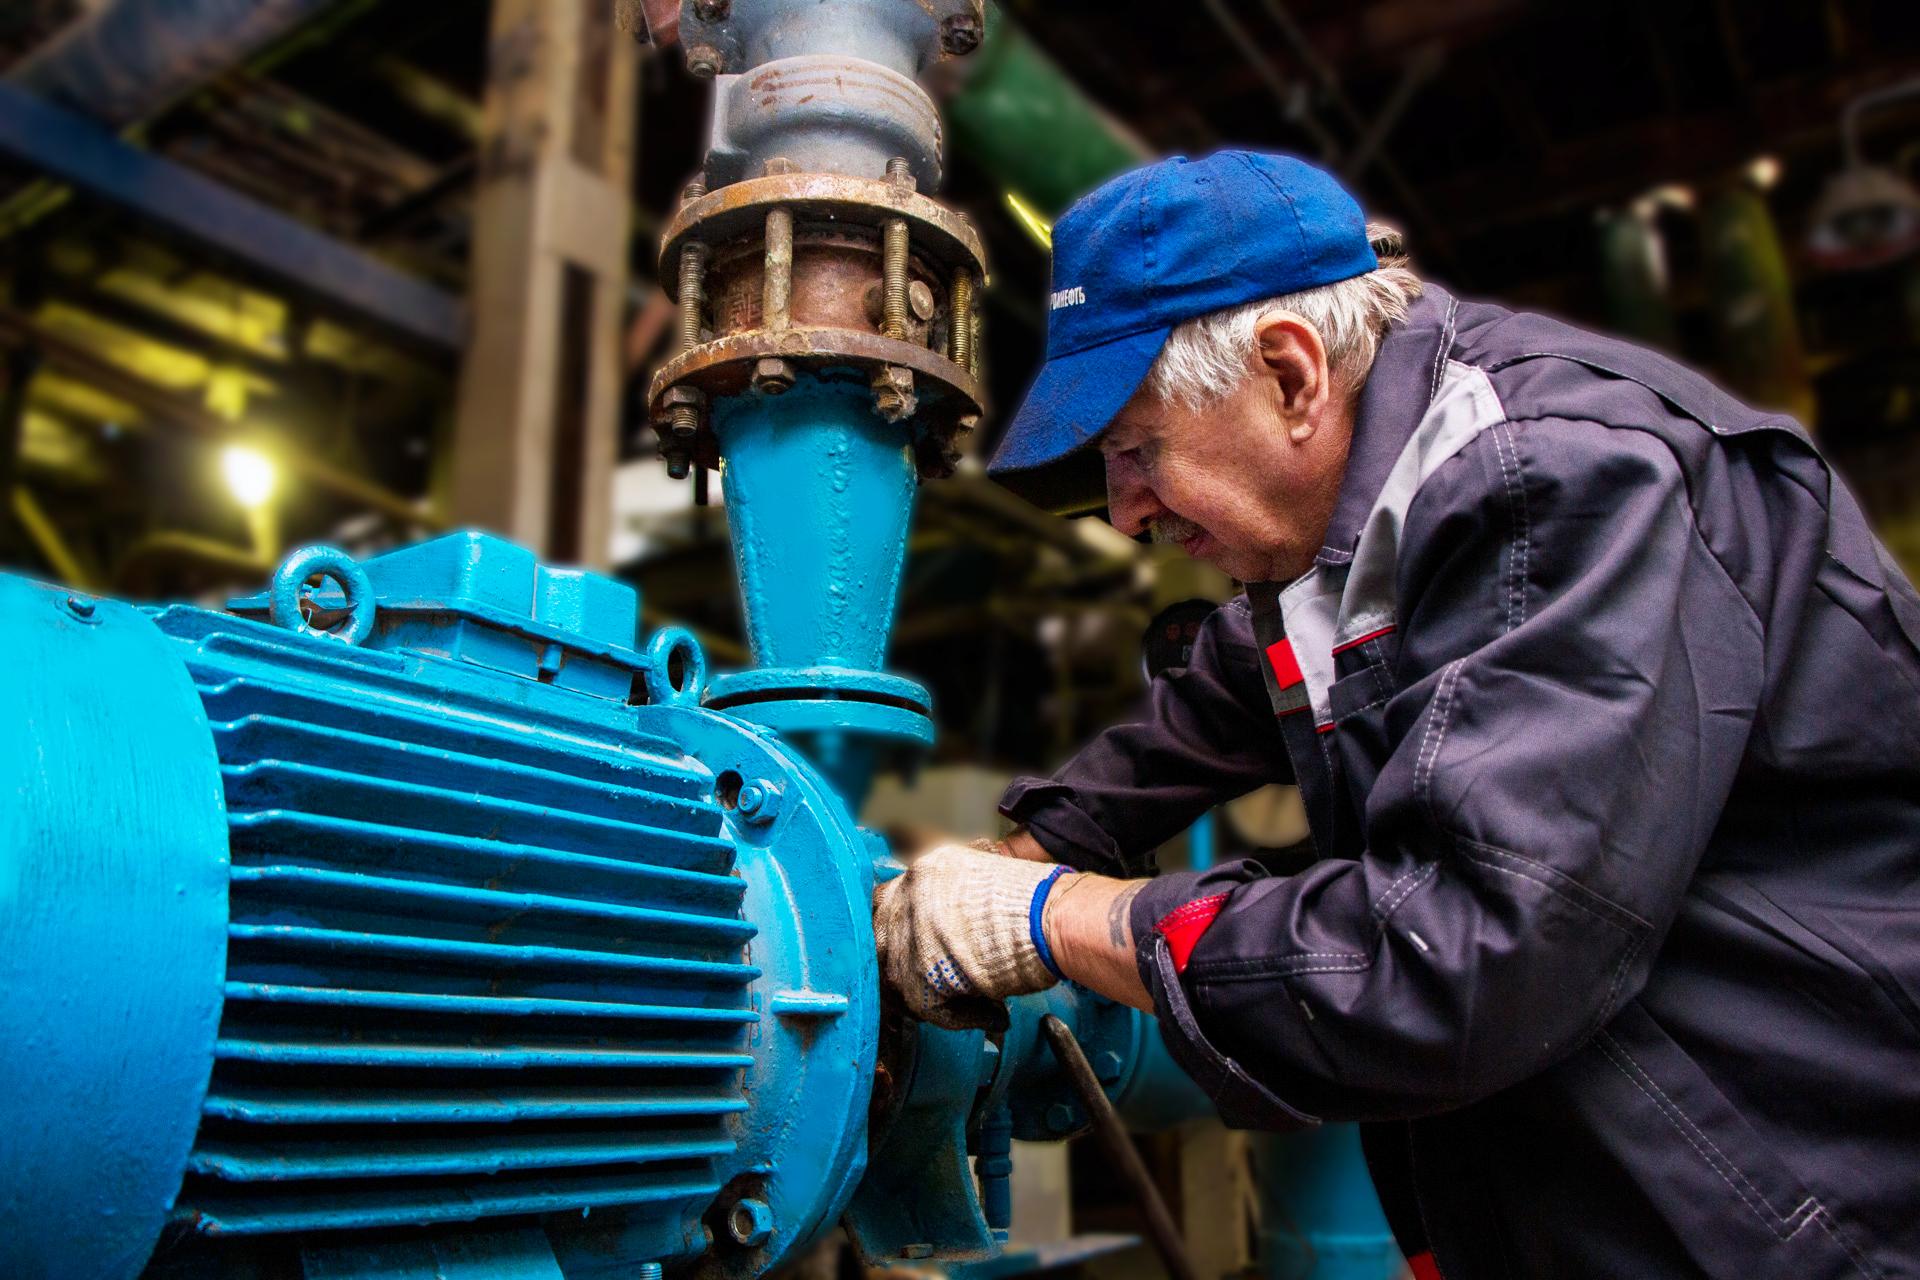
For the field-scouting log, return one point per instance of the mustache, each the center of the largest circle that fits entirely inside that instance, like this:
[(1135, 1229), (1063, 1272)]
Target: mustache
[(1173, 530)]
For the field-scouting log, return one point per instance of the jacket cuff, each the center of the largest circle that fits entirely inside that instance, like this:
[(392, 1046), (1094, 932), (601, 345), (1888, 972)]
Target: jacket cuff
[(1168, 915), (1051, 813)]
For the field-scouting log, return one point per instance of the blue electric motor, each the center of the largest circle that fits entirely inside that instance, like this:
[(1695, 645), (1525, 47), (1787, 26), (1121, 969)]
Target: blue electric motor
[(406, 920)]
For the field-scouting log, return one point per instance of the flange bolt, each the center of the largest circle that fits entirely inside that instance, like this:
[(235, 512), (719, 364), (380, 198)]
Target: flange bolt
[(750, 1222)]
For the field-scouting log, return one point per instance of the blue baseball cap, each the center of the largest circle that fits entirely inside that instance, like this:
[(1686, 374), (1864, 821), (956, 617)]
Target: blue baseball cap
[(1161, 245)]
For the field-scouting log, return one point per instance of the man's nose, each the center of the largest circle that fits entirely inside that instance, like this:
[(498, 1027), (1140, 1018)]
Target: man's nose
[(1130, 503)]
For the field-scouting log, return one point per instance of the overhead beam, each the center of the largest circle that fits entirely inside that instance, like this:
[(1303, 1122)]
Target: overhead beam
[(264, 242)]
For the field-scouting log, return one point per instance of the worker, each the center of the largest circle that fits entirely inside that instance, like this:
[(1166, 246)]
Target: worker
[(1604, 705)]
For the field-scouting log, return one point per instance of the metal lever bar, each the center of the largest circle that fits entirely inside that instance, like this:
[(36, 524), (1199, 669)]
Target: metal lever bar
[(1113, 1135)]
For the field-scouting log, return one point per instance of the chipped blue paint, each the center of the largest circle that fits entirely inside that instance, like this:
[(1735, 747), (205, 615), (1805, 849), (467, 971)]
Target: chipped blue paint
[(820, 498)]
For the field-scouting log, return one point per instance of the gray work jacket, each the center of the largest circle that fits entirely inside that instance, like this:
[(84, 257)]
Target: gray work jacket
[(1605, 706)]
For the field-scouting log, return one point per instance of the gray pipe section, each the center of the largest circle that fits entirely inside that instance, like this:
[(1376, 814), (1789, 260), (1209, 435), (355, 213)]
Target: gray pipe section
[(130, 58)]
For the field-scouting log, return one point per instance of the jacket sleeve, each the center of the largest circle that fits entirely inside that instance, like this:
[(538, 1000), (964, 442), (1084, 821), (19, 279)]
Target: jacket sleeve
[(1205, 735), (1576, 682)]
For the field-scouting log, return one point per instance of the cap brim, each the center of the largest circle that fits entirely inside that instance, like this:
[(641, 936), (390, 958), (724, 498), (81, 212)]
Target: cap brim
[(1074, 399)]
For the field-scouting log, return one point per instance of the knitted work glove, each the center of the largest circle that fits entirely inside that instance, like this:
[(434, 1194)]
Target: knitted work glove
[(954, 936)]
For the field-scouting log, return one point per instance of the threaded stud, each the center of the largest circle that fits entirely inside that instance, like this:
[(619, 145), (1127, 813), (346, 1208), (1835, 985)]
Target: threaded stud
[(960, 322)]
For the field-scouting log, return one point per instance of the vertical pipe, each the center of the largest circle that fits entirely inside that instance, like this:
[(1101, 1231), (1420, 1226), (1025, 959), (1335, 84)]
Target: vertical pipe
[(995, 1169), (1320, 1216), (1203, 842)]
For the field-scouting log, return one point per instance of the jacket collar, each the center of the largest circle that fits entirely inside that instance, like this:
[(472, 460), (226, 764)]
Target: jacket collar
[(1401, 385)]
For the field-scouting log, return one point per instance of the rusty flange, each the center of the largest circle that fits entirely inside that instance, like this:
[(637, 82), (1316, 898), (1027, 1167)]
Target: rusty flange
[(739, 211), (950, 399), (790, 273)]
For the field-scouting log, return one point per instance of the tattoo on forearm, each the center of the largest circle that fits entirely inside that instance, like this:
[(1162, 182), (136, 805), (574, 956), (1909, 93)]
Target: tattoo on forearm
[(1117, 914)]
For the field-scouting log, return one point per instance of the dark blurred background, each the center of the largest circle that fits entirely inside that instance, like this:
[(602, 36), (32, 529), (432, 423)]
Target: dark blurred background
[(314, 275)]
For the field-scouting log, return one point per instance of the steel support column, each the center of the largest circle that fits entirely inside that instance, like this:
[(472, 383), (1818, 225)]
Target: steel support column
[(535, 440)]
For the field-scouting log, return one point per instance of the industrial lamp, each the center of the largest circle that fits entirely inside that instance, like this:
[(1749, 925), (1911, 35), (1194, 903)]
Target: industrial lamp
[(1869, 215)]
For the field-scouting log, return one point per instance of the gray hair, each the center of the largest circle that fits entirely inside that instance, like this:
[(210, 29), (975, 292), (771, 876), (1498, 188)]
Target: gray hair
[(1206, 359)]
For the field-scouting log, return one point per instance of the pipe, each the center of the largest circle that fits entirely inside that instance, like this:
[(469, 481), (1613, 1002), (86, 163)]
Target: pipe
[(1320, 1216), (1024, 120), (129, 58)]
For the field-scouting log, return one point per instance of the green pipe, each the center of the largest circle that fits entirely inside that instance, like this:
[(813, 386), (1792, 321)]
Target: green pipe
[(1024, 121), (1750, 300), (1634, 279)]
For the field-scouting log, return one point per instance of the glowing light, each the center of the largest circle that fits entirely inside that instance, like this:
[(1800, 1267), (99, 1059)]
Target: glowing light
[(1763, 171), (1029, 217), (250, 475)]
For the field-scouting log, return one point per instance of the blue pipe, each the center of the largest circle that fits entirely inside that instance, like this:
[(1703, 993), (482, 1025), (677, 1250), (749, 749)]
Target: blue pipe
[(1203, 842), (819, 500), (130, 58), (1320, 1217)]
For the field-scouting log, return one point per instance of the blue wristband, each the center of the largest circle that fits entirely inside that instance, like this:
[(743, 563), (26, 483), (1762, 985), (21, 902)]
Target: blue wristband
[(1034, 912)]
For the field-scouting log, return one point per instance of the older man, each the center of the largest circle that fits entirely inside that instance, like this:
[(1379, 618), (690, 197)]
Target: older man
[(1605, 707)]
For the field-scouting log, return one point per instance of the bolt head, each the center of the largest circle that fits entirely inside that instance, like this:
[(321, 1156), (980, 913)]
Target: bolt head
[(703, 61), (712, 10), (920, 299), (772, 376), (1062, 1118), (80, 606), (750, 1222), (1106, 1066), (960, 34), (777, 165)]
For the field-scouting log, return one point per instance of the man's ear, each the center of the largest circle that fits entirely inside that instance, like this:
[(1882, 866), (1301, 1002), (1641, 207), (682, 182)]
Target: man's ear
[(1292, 354)]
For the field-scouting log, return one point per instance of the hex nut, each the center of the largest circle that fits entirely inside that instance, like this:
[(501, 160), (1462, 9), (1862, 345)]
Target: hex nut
[(1062, 1118), (703, 61), (960, 34), (712, 10), (750, 1222), (683, 393), (893, 397), (758, 802), (1106, 1066), (772, 375), (920, 300)]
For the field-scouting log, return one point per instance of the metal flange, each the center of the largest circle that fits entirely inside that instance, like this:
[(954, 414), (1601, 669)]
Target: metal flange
[(740, 211), (795, 273), (951, 399)]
